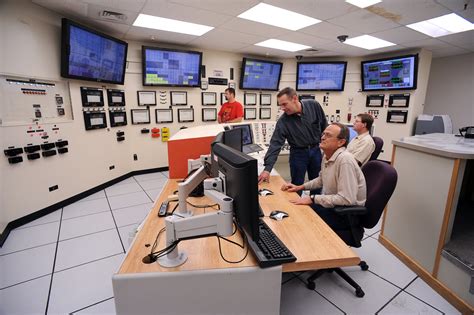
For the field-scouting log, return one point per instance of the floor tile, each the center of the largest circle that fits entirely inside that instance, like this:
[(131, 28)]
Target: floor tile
[(103, 308), (154, 193), (406, 304), (81, 208), (123, 201), (82, 286), (30, 237), (423, 291), (26, 265), (52, 217), (26, 298), (87, 248), (98, 195), (86, 225), (377, 291), (375, 229), (287, 276), (133, 214), (149, 176), (297, 299), (384, 263), (127, 234), (154, 183), (166, 174), (122, 189)]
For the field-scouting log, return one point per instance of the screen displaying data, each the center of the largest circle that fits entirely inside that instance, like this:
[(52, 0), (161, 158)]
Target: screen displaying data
[(95, 57), (173, 68), (327, 76), (260, 75), (390, 74)]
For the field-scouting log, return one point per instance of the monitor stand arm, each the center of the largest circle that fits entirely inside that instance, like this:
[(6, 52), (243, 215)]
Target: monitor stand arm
[(216, 223)]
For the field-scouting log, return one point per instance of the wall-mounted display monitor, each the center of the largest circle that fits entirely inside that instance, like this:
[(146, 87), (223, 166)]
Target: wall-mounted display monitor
[(92, 97), (118, 118), (140, 116), (164, 115), (90, 55), (396, 73), (321, 76), (171, 67), (94, 120), (116, 97), (260, 75), (146, 98)]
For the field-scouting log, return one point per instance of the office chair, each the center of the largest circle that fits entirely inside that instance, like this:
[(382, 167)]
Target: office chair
[(381, 179), (378, 148)]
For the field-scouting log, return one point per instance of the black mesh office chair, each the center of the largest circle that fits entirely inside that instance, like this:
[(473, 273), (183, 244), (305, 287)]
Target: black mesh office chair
[(381, 179), (378, 148)]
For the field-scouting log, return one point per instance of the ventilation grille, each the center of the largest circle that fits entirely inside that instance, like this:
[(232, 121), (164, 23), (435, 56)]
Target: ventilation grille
[(112, 16)]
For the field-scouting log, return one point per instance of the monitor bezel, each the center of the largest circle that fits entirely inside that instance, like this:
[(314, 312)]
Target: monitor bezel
[(66, 51), (242, 74), (415, 75), (144, 48), (321, 62)]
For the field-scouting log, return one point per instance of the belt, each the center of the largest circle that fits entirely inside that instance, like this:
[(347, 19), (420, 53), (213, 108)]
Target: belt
[(310, 146)]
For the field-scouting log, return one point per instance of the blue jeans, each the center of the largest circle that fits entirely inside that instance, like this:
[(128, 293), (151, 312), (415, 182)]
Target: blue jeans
[(304, 160)]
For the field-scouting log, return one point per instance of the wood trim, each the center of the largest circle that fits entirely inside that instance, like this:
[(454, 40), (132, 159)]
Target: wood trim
[(384, 214), (447, 215), (435, 284)]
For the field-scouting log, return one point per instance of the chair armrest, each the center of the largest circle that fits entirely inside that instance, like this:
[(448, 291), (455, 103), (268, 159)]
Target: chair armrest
[(351, 210)]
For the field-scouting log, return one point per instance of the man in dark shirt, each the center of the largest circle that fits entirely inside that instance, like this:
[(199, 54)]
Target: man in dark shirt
[(301, 125)]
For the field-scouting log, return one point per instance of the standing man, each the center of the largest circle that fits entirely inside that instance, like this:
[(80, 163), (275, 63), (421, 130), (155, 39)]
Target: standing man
[(231, 111), (301, 125), (341, 179), (363, 145)]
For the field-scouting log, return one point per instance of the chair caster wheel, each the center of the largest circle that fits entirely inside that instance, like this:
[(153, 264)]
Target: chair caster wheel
[(359, 293), (311, 285), (364, 266)]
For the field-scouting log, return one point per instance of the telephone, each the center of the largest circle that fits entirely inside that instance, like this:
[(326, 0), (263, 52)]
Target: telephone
[(467, 132)]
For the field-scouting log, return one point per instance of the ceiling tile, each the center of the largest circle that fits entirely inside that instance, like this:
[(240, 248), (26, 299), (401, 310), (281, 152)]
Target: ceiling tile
[(231, 8), (304, 39), (329, 31), (234, 40), (250, 27), (133, 6), (450, 51), (399, 35), (463, 40), (363, 21), (430, 44), (145, 34), (408, 11)]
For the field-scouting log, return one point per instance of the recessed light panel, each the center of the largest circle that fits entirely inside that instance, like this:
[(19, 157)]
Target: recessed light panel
[(170, 25), (282, 45), (368, 42)]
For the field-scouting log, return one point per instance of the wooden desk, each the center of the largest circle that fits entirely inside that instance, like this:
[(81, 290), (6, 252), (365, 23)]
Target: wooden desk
[(307, 236)]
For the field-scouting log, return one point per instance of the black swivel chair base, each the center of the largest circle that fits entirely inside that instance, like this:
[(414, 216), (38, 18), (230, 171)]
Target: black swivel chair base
[(358, 290)]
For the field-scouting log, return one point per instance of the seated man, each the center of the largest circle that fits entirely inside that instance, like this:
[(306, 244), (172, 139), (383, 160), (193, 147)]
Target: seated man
[(341, 179), (363, 145)]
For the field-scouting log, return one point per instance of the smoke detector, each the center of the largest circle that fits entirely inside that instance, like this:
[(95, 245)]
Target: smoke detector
[(112, 16)]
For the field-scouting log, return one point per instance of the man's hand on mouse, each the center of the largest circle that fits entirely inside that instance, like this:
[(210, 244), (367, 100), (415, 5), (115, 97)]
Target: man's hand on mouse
[(306, 200), (291, 187), (264, 177)]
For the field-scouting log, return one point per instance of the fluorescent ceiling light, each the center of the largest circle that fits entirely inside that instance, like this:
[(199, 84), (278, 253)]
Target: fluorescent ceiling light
[(268, 14), (368, 42), (169, 25), (282, 45), (443, 25), (363, 3)]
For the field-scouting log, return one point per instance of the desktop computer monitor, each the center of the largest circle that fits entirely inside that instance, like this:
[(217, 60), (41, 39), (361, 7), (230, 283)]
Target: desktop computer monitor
[(247, 137), (231, 138), (239, 173), (352, 132)]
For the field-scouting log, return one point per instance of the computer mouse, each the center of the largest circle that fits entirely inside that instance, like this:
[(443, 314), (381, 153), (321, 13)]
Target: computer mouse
[(265, 192), (278, 215)]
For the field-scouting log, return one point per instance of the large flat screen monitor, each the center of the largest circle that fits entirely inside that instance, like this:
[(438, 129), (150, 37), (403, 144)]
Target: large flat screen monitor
[(239, 172), (90, 55), (171, 67), (260, 75), (321, 76), (396, 73)]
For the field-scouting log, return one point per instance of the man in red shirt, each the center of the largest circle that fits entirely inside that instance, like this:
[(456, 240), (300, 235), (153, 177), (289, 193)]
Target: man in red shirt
[(231, 111)]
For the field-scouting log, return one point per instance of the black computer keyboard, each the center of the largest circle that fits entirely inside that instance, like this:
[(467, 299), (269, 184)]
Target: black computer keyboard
[(269, 250)]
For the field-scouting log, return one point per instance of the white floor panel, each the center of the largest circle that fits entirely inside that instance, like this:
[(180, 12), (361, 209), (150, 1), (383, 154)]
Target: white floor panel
[(377, 291), (133, 214), (384, 263), (154, 193), (133, 199), (149, 176), (423, 291), (26, 298), (98, 195), (375, 229), (52, 217), (166, 174), (102, 308), (406, 304), (86, 225), (297, 299), (82, 208), (79, 287), (122, 189), (87, 248), (154, 183), (127, 234), (20, 239), (26, 265)]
